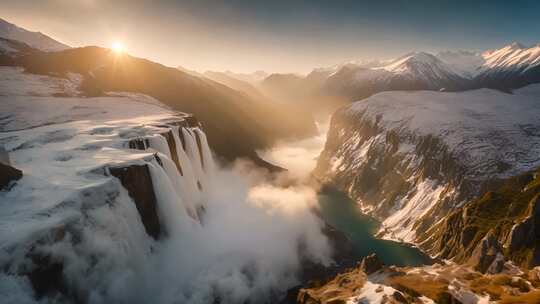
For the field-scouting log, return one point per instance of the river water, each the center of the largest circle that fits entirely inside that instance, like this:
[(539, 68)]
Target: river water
[(337, 209)]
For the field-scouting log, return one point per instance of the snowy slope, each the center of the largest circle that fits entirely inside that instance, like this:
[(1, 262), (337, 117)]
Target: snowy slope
[(483, 127), (415, 71), (34, 39), (422, 67)]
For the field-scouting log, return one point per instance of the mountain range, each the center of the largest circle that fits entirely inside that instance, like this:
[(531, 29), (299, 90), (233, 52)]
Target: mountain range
[(505, 69)]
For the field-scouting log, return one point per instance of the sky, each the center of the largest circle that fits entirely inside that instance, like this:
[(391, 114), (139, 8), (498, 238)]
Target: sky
[(282, 35)]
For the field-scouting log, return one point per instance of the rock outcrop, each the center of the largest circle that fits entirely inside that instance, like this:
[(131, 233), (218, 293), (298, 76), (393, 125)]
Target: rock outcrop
[(136, 179), (500, 223), (371, 264), (442, 284), (488, 256), (8, 175)]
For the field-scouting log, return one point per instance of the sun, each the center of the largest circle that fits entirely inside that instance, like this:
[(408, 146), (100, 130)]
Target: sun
[(117, 47)]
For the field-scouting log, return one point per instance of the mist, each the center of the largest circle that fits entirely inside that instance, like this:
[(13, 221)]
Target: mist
[(249, 246), (298, 157)]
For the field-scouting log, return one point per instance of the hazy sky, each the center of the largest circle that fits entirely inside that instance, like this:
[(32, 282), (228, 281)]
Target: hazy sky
[(278, 36)]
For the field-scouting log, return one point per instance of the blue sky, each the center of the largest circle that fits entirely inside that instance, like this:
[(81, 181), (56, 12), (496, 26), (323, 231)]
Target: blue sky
[(279, 36)]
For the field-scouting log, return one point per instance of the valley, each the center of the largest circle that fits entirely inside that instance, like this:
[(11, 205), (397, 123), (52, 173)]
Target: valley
[(410, 179)]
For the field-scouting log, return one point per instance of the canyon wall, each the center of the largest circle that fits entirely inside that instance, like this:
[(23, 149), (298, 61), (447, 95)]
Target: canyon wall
[(432, 166)]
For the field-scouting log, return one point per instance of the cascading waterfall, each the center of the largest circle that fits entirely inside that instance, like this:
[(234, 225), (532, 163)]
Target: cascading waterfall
[(184, 195), (171, 207), (187, 179), (191, 183), (209, 165), (192, 150)]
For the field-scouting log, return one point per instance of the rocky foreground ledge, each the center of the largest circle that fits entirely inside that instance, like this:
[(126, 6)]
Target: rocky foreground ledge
[(373, 282)]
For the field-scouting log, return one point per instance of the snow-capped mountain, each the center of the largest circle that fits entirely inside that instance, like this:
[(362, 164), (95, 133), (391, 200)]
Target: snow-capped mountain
[(514, 56), (507, 68), (36, 40), (510, 59), (415, 71)]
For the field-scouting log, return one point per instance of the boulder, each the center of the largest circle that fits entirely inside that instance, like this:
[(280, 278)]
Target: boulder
[(526, 234), (488, 256), (371, 264), (8, 174)]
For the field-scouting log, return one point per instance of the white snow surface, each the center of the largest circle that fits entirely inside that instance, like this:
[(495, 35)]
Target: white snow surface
[(483, 128), (372, 293), (56, 141)]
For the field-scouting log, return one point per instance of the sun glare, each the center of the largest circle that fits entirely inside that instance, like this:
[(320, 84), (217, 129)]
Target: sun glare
[(117, 47)]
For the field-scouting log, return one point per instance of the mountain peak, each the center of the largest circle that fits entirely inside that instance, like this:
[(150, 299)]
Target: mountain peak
[(36, 40), (516, 46)]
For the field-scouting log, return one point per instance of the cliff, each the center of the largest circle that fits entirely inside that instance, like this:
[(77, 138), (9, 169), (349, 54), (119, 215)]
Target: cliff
[(439, 168)]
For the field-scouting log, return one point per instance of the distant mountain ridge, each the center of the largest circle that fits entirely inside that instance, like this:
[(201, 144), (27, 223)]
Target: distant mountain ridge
[(505, 69), (36, 40)]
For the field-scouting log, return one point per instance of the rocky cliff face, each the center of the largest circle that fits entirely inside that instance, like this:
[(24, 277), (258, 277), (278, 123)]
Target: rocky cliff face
[(499, 224), (421, 163)]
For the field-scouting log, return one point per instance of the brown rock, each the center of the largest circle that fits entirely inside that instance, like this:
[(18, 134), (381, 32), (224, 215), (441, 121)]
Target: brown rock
[(137, 180), (488, 256), (371, 264)]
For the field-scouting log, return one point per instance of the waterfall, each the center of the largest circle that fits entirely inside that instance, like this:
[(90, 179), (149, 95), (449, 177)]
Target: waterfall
[(171, 208), (192, 150), (209, 164), (189, 180), (159, 143), (183, 192), (192, 183)]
